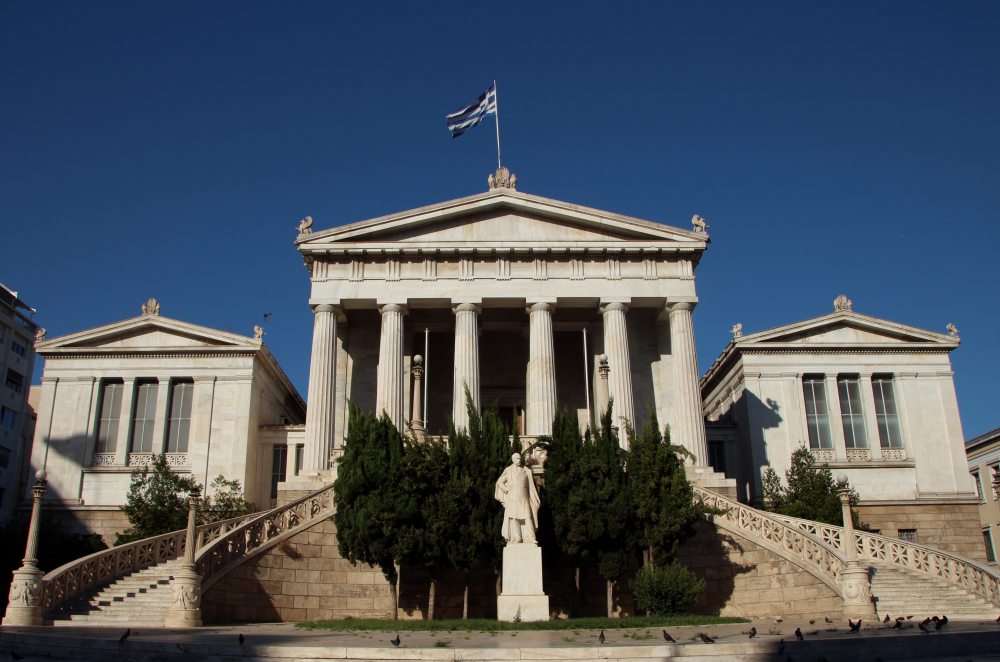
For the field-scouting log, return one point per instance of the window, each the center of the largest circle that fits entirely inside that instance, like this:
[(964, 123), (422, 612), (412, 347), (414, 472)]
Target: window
[(18, 348), (111, 411), (143, 417), (8, 418), (4, 457), (849, 389), (991, 555), (15, 381), (298, 458), (279, 463), (994, 473), (817, 414), (181, 393), (885, 412), (907, 535), (979, 485)]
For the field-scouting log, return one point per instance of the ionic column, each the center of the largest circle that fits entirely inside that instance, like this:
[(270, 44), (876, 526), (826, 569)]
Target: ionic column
[(620, 379), (389, 389), (541, 390), (466, 374), (322, 389), (689, 425)]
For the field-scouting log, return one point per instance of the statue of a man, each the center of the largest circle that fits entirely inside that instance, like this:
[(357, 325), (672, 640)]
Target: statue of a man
[(516, 491)]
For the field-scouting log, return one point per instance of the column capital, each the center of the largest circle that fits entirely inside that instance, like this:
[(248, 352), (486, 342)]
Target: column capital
[(540, 307), (674, 306), (393, 308), (612, 306), (327, 308), (467, 308)]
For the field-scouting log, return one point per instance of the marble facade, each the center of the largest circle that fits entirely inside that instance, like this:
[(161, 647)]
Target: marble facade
[(512, 298)]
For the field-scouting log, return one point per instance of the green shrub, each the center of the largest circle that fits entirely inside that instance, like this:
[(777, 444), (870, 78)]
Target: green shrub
[(664, 590)]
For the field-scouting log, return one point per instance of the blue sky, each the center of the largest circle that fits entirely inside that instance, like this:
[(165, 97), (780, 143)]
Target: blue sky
[(169, 149)]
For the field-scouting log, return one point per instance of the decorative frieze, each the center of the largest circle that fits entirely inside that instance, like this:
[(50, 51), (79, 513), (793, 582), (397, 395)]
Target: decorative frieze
[(503, 267), (430, 269), (140, 459), (614, 269), (103, 460), (541, 269), (576, 269), (894, 454), (859, 455), (823, 455), (177, 460), (649, 269), (466, 269), (392, 269)]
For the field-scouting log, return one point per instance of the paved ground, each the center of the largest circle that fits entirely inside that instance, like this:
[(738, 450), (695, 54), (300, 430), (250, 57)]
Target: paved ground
[(957, 641)]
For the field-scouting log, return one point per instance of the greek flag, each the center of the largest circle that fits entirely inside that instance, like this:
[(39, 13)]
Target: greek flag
[(469, 116)]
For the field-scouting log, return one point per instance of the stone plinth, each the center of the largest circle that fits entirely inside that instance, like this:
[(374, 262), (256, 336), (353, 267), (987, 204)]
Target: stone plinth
[(185, 605), (856, 582), (522, 597)]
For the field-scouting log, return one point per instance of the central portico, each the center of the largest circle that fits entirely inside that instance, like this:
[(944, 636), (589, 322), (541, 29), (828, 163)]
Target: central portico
[(515, 298)]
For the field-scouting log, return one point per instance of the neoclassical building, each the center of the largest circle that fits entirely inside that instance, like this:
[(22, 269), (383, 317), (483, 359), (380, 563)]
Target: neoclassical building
[(115, 395), (512, 297), (870, 398)]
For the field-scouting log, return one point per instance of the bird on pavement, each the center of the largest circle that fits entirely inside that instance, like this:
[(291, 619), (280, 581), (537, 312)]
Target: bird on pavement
[(828, 619), (798, 634), (780, 619), (601, 638), (909, 617), (944, 620), (121, 639), (926, 621), (886, 619), (705, 638), (668, 638), (395, 642), (781, 647), (753, 632), (923, 628), (241, 638), (899, 624), (854, 626), (812, 621)]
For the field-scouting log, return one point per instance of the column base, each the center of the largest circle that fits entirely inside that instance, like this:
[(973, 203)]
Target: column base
[(522, 598), (856, 582), (24, 602), (185, 607)]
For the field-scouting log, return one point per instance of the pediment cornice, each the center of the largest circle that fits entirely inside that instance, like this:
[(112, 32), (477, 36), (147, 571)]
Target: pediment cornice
[(92, 341)]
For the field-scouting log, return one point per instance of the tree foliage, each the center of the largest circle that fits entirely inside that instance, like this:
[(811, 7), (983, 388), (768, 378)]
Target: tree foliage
[(224, 501), (668, 589), (809, 492)]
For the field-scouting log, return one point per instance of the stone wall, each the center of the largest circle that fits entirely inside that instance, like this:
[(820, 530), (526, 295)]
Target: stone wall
[(952, 527), (105, 522), (745, 579)]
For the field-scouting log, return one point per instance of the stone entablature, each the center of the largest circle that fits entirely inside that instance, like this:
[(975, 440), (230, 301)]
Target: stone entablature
[(522, 296), (779, 387), (207, 393)]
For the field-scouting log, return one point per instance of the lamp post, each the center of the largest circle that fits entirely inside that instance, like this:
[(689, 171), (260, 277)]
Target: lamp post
[(24, 606), (855, 579), (185, 606), (417, 423)]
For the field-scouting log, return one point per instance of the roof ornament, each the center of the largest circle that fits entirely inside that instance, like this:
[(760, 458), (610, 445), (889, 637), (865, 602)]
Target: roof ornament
[(737, 330), (842, 304), (258, 333), (151, 307), (502, 178), (952, 330), (40, 334), (698, 224), (306, 225)]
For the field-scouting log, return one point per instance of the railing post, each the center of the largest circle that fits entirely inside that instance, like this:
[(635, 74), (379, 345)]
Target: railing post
[(24, 604), (185, 607), (855, 579)]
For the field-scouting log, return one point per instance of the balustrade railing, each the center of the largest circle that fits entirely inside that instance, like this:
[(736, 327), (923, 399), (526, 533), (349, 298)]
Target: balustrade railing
[(101, 568), (813, 552), (230, 549), (952, 568)]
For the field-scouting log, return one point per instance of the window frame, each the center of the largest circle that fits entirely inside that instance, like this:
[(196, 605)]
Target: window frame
[(991, 551), (883, 419), (816, 419), (279, 455), (174, 424), (854, 411), (18, 348), (138, 440), (101, 420)]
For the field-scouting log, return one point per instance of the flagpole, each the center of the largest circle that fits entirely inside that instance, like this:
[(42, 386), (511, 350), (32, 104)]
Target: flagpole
[(496, 92)]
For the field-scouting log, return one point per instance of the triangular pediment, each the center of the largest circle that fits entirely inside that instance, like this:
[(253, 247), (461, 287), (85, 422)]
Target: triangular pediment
[(502, 219), (147, 333), (846, 329)]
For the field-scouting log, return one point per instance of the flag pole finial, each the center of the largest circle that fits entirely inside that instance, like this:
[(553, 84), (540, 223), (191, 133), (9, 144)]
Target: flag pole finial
[(502, 178)]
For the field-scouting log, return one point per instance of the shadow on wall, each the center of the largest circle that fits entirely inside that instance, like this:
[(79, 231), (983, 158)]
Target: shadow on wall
[(708, 554), (758, 416)]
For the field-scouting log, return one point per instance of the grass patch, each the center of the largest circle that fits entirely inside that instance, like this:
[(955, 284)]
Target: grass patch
[(488, 625)]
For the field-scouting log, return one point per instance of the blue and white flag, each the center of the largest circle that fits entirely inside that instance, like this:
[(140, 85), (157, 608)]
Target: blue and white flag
[(469, 116)]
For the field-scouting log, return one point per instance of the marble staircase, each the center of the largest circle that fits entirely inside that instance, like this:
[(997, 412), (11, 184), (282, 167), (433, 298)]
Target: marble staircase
[(141, 598), (898, 592)]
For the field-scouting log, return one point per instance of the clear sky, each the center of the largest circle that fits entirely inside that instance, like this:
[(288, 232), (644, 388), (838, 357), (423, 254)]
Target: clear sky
[(169, 149)]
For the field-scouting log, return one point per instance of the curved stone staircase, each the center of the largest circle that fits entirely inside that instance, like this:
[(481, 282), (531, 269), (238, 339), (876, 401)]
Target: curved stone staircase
[(133, 582)]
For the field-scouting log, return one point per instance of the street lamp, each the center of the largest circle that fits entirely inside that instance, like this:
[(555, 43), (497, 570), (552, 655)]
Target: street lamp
[(24, 601)]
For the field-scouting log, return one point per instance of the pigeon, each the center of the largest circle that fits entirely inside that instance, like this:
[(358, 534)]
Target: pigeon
[(909, 617), (944, 620), (601, 638), (121, 639), (935, 619), (886, 619), (780, 619), (998, 619), (898, 625), (854, 626), (753, 632), (938, 625), (828, 619), (812, 621), (926, 621), (781, 647), (923, 628), (798, 634), (267, 316), (241, 638), (705, 638), (395, 642), (668, 638)]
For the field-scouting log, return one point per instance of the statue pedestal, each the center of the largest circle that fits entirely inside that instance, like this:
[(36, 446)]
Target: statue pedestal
[(522, 597)]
